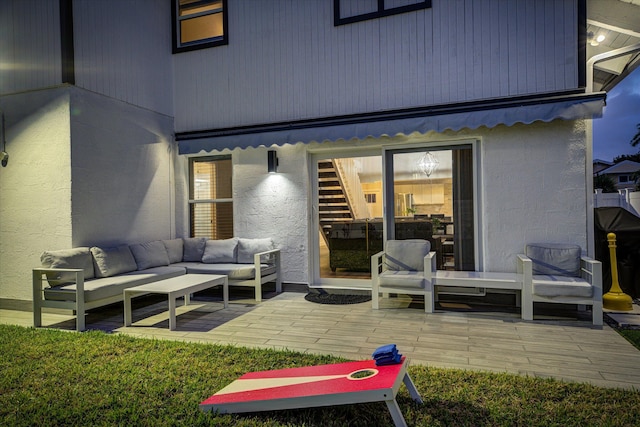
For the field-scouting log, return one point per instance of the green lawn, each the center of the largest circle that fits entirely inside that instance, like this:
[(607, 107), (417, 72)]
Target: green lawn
[(52, 377)]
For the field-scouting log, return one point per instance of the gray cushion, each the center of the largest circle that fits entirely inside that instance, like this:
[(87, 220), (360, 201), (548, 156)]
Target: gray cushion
[(111, 261), (150, 254), (174, 248), (554, 258), (221, 251), (561, 286), (402, 279), (193, 249), (233, 271), (406, 254), (67, 258), (247, 248)]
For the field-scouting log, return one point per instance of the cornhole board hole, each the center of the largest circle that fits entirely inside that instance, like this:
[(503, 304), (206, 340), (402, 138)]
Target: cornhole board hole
[(313, 386)]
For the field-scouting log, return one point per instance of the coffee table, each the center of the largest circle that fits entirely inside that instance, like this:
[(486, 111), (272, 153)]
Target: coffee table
[(176, 287), (315, 386)]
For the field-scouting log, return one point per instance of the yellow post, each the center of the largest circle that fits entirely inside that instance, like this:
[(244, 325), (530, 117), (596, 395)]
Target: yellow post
[(615, 299)]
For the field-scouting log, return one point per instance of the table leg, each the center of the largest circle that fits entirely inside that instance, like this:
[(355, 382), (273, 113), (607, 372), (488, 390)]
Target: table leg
[(225, 292), (394, 409), (127, 308), (172, 313)]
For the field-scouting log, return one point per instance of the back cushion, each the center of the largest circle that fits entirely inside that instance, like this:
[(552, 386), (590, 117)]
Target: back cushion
[(174, 248), (406, 255), (151, 254), (67, 258), (193, 249), (554, 259), (112, 261), (221, 251), (247, 248)]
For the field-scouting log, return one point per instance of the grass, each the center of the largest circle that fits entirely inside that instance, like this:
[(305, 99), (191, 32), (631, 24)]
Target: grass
[(52, 377), (632, 335)]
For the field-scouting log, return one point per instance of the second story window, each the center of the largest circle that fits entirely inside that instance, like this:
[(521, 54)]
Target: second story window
[(199, 24), (350, 11)]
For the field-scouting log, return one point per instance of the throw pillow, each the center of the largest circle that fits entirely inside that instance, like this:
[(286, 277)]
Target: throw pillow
[(111, 261), (221, 251), (174, 248), (193, 249), (247, 248), (150, 254)]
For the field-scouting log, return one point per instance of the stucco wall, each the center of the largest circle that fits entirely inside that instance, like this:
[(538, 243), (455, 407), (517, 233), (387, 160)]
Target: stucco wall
[(35, 187), (274, 205), (122, 172)]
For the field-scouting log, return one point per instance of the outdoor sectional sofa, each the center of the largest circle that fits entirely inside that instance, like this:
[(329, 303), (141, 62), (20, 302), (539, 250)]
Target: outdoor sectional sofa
[(83, 278)]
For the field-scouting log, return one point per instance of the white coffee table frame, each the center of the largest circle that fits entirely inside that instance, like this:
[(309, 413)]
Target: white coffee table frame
[(176, 287)]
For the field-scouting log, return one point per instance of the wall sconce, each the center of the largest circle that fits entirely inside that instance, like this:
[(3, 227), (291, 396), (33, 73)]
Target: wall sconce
[(4, 156), (272, 161)]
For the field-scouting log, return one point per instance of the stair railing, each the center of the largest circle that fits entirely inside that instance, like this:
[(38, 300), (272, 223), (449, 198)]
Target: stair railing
[(348, 175)]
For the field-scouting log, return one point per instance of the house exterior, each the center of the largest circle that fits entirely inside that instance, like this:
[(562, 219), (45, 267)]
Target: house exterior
[(107, 117), (623, 174)]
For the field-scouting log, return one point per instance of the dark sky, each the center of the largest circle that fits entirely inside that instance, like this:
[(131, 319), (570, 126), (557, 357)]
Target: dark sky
[(613, 132)]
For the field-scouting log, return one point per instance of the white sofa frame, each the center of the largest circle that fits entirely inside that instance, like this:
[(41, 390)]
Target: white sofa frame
[(590, 271)]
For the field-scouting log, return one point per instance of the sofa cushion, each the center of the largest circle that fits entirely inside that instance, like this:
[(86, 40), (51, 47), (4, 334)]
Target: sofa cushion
[(561, 286), (111, 261), (175, 248), (402, 279), (554, 259), (193, 249), (109, 287), (67, 258), (220, 251), (233, 271), (408, 255), (247, 248), (150, 254)]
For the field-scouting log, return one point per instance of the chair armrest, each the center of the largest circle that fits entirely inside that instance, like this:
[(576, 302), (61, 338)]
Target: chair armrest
[(430, 265), (524, 268), (274, 254), (591, 271), (38, 281)]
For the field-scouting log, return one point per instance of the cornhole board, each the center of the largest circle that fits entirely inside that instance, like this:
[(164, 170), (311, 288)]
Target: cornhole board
[(313, 386)]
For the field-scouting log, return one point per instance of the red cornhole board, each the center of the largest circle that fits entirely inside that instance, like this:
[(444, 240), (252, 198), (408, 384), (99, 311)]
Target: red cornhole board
[(312, 386)]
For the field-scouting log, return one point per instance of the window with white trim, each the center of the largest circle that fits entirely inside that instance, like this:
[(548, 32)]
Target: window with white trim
[(199, 24), (211, 197)]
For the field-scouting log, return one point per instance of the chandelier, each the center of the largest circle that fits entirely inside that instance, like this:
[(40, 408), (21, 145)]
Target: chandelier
[(428, 163)]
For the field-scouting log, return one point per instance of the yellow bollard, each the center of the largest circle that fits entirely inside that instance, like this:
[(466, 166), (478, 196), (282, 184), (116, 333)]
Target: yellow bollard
[(615, 299)]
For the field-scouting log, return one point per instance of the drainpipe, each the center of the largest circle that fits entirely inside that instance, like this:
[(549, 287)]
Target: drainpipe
[(589, 164)]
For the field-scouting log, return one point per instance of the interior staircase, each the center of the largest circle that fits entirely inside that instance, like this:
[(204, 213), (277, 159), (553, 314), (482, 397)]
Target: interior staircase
[(333, 203)]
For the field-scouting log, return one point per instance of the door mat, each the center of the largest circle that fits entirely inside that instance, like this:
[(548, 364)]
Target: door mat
[(338, 299)]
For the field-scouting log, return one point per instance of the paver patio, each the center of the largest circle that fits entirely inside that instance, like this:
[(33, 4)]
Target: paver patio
[(566, 349)]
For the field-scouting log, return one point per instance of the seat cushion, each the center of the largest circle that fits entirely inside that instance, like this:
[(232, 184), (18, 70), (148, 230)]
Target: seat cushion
[(402, 279), (561, 286), (406, 254), (108, 287), (232, 271), (554, 258)]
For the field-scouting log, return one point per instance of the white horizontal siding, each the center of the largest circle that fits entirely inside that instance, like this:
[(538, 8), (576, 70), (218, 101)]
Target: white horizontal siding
[(29, 45), (286, 61), (123, 50)]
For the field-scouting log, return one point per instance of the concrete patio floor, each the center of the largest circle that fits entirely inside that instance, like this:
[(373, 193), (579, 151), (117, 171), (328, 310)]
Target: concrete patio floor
[(560, 347)]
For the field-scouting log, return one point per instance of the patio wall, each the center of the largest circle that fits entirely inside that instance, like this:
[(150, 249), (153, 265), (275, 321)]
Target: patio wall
[(83, 170)]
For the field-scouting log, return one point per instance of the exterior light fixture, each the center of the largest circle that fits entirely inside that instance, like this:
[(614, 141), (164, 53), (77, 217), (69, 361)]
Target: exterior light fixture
[(272, 161), (428, 163)]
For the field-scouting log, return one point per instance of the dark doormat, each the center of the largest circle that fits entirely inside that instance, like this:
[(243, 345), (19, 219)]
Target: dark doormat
[(326, 298)]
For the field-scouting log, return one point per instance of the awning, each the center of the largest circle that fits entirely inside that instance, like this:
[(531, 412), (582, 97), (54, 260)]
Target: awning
[(471, 115)]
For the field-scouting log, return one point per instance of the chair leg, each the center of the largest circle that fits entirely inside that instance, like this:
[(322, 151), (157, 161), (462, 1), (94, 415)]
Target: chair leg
[(596, 312), (429, 303), (375, 299)]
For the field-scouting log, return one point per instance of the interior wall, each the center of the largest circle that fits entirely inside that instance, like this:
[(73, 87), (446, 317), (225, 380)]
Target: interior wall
[(122, 172), (35, 186)]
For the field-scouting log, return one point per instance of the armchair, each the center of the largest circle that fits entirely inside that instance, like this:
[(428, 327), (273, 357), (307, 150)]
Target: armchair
[(404, 267), (557, 273)]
